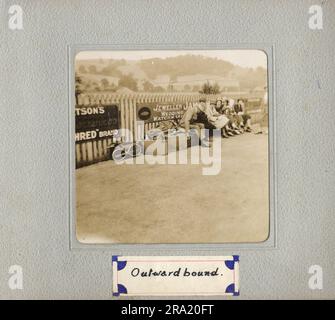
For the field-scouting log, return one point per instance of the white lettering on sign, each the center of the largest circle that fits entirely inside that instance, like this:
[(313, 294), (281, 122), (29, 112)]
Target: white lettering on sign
[(89, 110), (107, 133), (87, 135)]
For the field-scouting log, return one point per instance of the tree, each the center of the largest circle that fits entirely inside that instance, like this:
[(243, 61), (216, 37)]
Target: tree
[(128, 81), (95, 86), (88, 87), (170, 87), (196, 88), (215, 88), (82, 69), (113, 87), (148, 86), (158, 89), (78, 86), (208, 88), (104, 84), (92, 69)]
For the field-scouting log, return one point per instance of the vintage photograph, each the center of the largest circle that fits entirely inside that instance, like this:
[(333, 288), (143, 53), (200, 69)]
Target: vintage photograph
[(171, 146)]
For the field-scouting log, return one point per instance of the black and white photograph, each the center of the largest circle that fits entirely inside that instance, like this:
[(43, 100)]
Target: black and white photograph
[(171, 146), (173, 150)]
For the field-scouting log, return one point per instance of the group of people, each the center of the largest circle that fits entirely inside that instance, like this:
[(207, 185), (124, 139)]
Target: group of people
[(230, 117)]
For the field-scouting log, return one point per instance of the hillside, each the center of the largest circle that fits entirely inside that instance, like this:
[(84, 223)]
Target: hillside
[(181, 73)]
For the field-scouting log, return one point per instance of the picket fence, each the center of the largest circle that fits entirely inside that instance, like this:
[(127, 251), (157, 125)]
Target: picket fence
[(89, 152)]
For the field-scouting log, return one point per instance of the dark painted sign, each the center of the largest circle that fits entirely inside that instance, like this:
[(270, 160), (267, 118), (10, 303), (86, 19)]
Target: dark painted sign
[(160, 111), (96, 122)]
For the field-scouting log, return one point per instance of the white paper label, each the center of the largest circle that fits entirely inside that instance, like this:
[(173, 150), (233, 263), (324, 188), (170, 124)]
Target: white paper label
[(181, 275)]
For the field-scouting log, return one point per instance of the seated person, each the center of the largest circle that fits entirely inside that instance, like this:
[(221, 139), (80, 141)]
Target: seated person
[(245, 119), (211, 118), (221, 121), (203, 116), (233, 124), (190, 119)]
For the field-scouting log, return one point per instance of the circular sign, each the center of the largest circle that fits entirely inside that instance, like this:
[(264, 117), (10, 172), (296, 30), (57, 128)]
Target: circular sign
[(144, 113)]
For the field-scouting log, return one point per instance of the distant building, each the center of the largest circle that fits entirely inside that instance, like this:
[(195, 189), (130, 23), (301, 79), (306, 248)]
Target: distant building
[(226, 84), (161, 81), (229, 85)]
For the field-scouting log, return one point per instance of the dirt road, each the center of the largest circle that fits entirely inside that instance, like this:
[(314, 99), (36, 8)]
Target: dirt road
[(176, 203)]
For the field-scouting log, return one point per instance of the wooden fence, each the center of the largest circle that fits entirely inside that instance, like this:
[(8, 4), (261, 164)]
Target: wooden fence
[(93, 151)]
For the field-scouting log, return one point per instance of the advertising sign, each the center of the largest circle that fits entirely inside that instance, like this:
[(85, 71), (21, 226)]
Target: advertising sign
[(160, 111), (96, 122)]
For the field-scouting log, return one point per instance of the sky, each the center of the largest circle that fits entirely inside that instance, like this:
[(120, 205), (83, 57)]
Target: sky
[(243, 58)]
